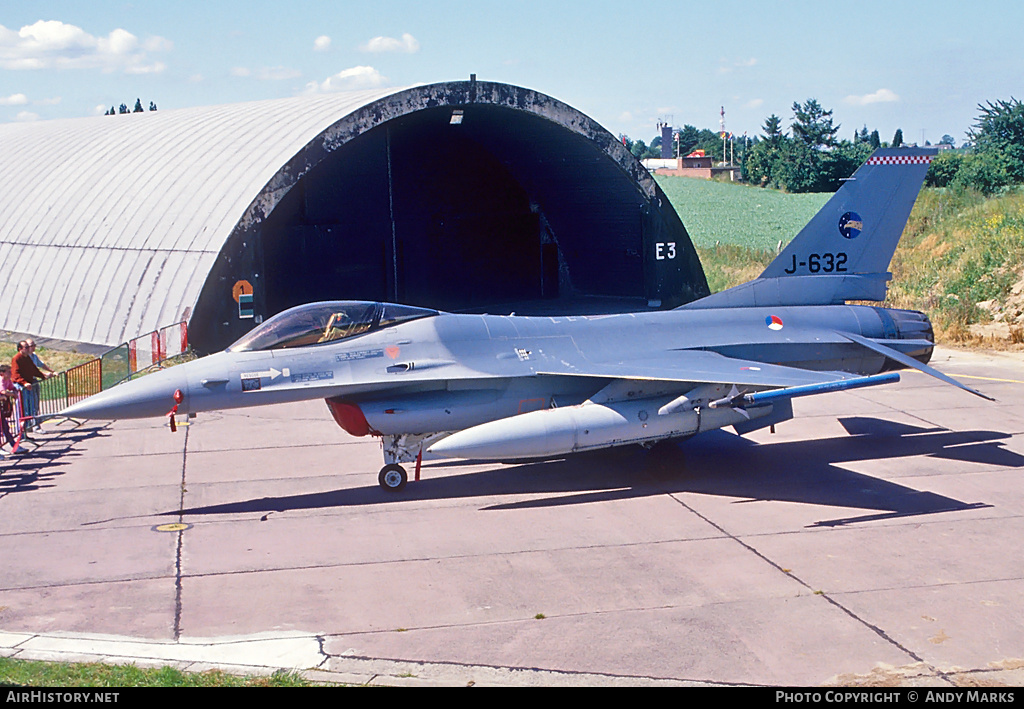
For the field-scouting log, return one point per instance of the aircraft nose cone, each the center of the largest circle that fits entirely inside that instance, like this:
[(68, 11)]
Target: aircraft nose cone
[(148, 396)]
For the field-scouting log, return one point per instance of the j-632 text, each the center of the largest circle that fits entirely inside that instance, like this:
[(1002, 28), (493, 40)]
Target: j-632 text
[(820, 263)]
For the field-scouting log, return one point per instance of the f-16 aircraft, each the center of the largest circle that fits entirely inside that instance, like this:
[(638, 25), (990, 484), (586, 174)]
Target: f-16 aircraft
[(496, 387)]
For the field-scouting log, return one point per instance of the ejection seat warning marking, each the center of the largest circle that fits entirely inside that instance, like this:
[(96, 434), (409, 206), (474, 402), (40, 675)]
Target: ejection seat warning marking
[(269, 373), (253, 381), (359, 354), (311, 377)]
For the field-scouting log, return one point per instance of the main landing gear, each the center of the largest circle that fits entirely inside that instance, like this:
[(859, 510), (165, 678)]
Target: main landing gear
[(403, 448), (393, 477)]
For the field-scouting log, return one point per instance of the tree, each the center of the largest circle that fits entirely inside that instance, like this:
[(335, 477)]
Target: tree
[(947, 139), (897, 139), (874, 141), (943, 168), (639, 149), (655, 147), (839, 163), (138, 106), (122, 109), (773, 130), (760, 163), (1000, 131), (689, 136), (152, 106), (813, 125), (987, 172), (797, 168)]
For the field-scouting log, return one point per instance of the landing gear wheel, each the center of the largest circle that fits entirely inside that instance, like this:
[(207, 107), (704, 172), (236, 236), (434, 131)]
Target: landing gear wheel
[(393, 477)]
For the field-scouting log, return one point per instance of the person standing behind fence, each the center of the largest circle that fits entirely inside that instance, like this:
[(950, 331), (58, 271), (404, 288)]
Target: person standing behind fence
[(47, 372), (8, 395), (25, 374)]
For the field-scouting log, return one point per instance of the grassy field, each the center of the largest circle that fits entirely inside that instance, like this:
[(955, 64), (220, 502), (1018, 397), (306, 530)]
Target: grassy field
[(725, 213), (961, 260), (57, 360)]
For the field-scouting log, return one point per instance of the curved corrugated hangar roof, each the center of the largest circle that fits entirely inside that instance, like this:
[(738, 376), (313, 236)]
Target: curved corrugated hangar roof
[(461, 196)]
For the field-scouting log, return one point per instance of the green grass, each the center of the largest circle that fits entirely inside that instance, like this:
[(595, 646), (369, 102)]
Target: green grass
[(960, 249), (725, 213), (81, 674), (57, 360)]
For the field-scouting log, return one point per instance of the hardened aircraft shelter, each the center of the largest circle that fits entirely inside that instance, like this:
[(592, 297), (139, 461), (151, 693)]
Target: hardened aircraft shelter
[(461, 196)]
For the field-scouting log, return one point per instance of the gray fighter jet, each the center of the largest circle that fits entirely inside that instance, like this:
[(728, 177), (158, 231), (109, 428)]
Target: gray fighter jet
[(493, 387)]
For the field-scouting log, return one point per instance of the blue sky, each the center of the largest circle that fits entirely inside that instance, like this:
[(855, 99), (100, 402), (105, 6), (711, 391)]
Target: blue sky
[(923, 67)]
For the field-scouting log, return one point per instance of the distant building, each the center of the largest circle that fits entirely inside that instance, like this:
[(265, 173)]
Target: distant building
[(696, 164)]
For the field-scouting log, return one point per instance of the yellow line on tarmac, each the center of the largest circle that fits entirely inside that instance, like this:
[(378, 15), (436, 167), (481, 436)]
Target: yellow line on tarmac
[(969, 376), (990, 379)]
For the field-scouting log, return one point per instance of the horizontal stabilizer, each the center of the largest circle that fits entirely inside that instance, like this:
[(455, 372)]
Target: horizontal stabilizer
[(910, 362)]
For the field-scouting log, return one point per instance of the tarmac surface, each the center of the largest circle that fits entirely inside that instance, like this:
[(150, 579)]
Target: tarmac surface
[(874, 540)]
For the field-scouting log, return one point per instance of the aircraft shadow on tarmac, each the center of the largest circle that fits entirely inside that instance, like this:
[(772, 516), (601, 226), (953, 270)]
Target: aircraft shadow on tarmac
[(39, 465), (714, 463)]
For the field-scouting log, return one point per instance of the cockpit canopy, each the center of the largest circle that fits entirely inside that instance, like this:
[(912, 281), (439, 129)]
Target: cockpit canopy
[(318, 323)]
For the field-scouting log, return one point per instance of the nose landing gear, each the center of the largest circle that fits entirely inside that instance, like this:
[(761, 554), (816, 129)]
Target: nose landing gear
[(393, 477)]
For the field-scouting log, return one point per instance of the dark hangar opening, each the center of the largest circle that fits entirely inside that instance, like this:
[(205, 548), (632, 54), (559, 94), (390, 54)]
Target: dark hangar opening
[(415, 211), (463, 206)]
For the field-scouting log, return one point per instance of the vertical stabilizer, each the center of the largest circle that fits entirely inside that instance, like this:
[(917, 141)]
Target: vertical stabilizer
[(844, 251)]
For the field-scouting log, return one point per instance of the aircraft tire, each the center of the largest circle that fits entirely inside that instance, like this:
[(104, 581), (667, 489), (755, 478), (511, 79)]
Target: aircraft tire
[(393, 478)]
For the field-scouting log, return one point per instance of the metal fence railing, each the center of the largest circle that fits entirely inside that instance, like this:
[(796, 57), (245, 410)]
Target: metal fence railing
[(66, 388), (48, 397)]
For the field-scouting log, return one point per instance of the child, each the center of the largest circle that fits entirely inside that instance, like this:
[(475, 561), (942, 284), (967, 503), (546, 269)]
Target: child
[(8, 395)]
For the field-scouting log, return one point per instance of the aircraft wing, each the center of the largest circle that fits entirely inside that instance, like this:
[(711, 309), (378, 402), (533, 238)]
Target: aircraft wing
[(699, 367)]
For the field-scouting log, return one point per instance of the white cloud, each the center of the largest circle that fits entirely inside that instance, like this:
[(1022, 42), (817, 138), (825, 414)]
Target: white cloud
[(240, 71), (277, 73), (321, 43), (880, 96), (358, 77), (25, 116), (407, 44), (14, 100), (51, 44), (728, 66), (154, 68), (754, 103), (158, 44)]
